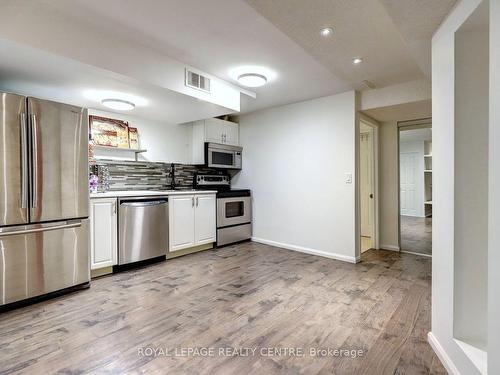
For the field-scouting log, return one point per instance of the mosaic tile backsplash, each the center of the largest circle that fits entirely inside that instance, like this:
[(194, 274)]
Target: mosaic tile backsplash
[(117, 175), (131, 175), (184, 174)]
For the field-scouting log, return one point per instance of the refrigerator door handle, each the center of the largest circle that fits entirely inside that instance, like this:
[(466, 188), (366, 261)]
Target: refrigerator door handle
[(24, 162), (34, 155), (40, 229)]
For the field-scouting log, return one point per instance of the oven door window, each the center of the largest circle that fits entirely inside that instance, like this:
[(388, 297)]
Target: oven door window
[(222, 158), (234, 209)]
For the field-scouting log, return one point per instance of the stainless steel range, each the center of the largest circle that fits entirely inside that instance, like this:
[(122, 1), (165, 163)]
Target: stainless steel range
[(234, 208)]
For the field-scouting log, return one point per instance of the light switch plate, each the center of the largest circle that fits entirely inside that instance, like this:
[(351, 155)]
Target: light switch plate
[(348, 178)]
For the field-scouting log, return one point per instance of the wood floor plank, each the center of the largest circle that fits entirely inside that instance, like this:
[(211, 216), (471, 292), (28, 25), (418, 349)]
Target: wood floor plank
[(243, 296)]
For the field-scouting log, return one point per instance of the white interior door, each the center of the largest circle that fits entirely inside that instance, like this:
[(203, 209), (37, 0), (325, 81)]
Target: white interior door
[(408, 163), (366, 183)]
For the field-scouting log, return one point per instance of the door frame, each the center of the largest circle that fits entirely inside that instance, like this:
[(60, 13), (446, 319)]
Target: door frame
[(375, 181), (371, 180), (423, 123)]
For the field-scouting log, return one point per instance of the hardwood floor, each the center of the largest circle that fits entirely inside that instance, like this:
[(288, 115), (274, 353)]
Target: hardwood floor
[(245, 296), (416, 234)]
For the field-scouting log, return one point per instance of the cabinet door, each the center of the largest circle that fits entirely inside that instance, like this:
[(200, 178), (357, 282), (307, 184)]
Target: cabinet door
[(181, 222), (231, 133), (205, 227), (103, 233), (214, 130)]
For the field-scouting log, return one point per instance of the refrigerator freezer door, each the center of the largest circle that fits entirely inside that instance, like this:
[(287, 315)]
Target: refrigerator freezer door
[(42, 258), (13, 160), (59, 161)]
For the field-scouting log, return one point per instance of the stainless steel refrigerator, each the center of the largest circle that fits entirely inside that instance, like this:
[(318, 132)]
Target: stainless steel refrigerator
[(44, 197)]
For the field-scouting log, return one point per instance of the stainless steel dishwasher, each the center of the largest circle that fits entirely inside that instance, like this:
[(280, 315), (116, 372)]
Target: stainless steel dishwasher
[(143, 228)]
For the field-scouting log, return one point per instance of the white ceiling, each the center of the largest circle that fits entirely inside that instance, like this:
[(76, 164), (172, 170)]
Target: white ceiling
[(36, 73), (214, 36), (219, 35), (392, 36), (401, 112)]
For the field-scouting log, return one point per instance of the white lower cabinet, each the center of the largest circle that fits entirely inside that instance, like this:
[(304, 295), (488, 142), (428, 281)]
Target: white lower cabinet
[(103, 233), (204, 219), (192, 220)]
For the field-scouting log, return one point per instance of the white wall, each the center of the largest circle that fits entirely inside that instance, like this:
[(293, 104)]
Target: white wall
[(471, 186), (418, 148), (165, 142), (443, 107), (494, 194), (295, 160)]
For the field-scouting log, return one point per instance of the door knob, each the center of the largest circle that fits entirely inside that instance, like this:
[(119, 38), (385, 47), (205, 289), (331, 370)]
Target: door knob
[(371, 196)]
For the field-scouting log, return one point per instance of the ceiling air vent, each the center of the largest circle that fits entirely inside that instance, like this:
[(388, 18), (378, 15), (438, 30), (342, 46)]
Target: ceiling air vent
[(197, 81), (368, 84)]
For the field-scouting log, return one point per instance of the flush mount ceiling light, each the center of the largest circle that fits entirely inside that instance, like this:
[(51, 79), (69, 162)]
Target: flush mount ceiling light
[(244, 74), (252, 79), (118, 104), (103, 96), (357, 60), (326, 31)]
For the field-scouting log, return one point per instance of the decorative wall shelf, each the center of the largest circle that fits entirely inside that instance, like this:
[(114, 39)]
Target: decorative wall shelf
[(127, 150)]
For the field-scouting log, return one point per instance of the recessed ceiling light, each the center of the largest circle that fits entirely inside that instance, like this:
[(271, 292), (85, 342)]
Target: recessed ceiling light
[(357, 60), (252, 79), (326, 31), (118, 104)]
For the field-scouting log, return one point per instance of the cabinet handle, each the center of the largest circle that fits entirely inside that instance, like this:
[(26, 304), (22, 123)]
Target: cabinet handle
[(192, 202), (196, 201), (114, 207)]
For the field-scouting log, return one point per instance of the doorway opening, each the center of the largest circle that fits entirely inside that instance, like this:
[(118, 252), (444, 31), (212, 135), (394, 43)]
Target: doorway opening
[(368, 186), (415, 187)]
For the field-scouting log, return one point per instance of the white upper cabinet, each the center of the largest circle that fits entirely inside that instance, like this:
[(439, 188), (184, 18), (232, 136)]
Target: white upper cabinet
[(231, 133), (103, 233), (216, 131), (192, 220)]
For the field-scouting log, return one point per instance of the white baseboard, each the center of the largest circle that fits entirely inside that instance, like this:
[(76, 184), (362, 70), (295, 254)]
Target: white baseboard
[(418, 254), (389, 247), (321, 253), (443, 357)]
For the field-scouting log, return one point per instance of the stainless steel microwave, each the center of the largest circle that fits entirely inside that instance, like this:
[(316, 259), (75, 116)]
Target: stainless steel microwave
[(222, 156)]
